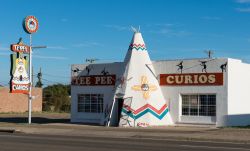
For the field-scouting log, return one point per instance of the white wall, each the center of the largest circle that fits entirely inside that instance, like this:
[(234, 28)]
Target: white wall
[(173, 94), (238, 93), (108, 91), (233, 103)]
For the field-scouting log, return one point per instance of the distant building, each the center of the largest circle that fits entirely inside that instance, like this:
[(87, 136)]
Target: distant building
[(16, 102), (141, 92)]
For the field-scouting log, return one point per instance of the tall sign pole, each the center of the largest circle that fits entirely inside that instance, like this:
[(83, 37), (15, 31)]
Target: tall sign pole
[(30, 76), (30, 25)]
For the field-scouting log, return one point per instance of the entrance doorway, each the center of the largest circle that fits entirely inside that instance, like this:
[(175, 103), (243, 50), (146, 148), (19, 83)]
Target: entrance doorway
[(116, 112), (120, 102), (119, 116)]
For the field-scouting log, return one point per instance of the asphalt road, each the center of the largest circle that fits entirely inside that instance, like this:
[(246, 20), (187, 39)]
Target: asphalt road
[(29, 142)]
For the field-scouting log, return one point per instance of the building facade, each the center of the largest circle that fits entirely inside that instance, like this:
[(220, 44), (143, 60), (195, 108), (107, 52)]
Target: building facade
[(141, 92)]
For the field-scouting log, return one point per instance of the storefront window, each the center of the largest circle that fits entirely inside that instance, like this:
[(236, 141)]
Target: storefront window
[(199, 105), (90, 103)]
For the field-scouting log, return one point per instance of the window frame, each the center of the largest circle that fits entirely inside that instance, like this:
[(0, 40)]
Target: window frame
[(209, 106), (90, 103)]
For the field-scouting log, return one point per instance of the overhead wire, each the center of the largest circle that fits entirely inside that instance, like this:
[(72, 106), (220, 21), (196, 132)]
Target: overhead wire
[(197, 65), (51, 75)]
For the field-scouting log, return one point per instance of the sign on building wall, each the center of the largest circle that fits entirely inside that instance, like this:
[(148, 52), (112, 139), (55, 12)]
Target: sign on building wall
[(191, 79), (19, 67), (94, 80)]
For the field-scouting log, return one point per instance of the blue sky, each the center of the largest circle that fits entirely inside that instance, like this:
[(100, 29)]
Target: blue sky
[(75, 30)]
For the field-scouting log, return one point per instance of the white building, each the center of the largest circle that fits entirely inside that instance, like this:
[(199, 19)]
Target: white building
[(141, 92)]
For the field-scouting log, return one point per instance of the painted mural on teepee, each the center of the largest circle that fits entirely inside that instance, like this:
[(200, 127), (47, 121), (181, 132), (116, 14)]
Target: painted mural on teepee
[(148, 106), (145, 87)]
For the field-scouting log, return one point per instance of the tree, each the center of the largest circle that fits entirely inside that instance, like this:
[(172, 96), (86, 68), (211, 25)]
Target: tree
[(56, 98)]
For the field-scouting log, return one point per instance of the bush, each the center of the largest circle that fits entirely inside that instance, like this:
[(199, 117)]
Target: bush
[(56, 98)]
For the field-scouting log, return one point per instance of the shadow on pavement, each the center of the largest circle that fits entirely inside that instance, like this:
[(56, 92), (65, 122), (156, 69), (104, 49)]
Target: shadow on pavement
[(37, 120)]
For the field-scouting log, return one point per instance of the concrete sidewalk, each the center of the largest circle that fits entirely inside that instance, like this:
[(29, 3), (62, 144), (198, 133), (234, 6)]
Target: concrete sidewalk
[(178, 132)]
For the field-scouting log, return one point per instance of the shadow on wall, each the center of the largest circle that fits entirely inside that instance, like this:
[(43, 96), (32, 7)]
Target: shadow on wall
[(238, 120), (35, 120)]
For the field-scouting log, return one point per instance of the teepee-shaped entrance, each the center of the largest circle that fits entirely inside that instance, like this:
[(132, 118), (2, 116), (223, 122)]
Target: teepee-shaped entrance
[(148, 106)]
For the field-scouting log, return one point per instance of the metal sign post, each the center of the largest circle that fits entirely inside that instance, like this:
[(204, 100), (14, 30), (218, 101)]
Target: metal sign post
[(30, 25), (30, 78)]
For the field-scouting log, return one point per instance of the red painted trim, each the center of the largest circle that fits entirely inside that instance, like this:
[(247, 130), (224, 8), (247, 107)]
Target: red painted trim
[(138, 45), (145, 107)]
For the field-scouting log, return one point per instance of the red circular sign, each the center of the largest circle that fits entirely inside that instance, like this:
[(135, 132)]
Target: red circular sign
[(30, 24)]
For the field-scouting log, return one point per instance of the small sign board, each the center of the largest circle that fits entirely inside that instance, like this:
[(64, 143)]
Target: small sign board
[(19, 88), (20, 48), (94, 80), (191, 79)]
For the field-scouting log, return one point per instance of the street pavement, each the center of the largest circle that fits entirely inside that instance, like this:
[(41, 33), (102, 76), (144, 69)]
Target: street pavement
[(31, 142), (168, 132), (234, 135), (47, 134)]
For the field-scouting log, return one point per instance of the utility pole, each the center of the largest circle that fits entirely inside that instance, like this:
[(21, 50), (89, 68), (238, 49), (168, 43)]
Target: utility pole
[(91, 60), (39, 77), (209, 53)]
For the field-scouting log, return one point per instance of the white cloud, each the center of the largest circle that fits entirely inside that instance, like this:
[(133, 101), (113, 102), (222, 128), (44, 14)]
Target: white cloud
[(162, 31), (171, 32), (4, 48), (167, 29), (181, 33), (248, 40), (246, 10), (57, 47), (117, 27), (87, 44), (243, 1), (50, 57), (160, 25), (5, 54)]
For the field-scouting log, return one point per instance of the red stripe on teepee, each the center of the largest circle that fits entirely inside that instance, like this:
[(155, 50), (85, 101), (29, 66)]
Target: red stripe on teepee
[(145, 107), (137, 45)]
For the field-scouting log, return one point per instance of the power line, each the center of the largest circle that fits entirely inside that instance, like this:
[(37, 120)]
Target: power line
[(51, 75), (54, 82), (197, 65)]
